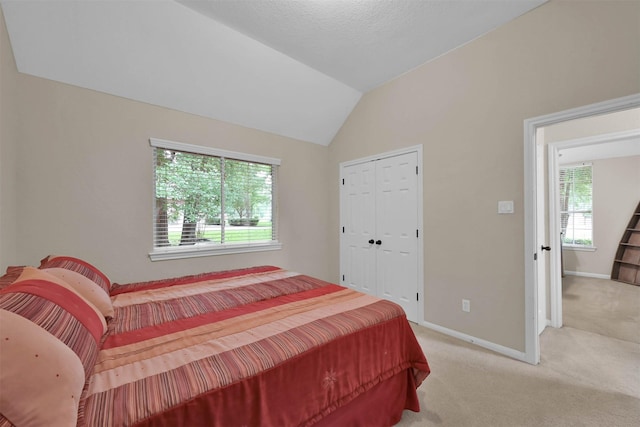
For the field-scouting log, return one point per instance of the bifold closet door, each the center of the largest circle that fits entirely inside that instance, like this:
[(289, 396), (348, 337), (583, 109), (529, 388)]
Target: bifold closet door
[(396, 230), (380, 241), (358, 250)]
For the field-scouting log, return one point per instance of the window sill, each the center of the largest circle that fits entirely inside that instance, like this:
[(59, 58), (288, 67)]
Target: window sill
[(579, 248), (209, 250)]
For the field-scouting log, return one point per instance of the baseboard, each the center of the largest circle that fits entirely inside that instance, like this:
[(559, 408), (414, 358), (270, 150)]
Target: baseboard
[(583, 274), (506, 351)]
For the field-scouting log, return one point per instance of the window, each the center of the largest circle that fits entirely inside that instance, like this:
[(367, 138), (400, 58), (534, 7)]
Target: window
[(576, 205), (209, 201)]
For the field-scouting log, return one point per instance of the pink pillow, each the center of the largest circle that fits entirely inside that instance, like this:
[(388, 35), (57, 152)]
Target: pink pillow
[(12, 274), (79, 266), (88, 289), (50, 339), (54, 305), (42, 379)]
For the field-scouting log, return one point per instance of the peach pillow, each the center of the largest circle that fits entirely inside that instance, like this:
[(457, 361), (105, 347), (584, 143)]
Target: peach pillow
[(85, 287), (49, 341), (31, 273), (79, 266), (42, 379)]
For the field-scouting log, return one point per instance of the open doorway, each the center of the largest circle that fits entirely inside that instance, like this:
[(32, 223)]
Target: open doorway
[(592, 189), (536, 281)]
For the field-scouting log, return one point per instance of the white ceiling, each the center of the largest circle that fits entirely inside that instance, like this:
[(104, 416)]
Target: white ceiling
[(363, 43), (295, 68), (605, 150)]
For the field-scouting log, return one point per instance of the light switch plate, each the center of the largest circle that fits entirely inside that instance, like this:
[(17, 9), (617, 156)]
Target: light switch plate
[(505, 207)]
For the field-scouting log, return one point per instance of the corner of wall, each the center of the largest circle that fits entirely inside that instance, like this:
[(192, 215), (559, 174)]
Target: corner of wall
[(8, 146)]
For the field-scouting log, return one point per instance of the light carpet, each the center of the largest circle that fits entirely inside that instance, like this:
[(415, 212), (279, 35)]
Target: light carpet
[(602, 306), (583, 379)]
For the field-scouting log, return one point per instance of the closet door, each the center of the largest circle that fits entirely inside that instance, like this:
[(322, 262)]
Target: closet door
[(379, 242), (358, 219), (396, 230)]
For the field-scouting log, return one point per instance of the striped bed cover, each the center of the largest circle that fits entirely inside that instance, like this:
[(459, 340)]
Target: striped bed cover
[(257, 346)]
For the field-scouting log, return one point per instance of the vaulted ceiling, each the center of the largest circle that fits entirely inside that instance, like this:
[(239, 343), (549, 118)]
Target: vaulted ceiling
[(295, 68)]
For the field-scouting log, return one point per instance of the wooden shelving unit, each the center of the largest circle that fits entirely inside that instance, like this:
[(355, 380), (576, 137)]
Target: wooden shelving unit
[(626, 265)]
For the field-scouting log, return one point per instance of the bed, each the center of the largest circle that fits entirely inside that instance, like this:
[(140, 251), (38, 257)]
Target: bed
[(259, 346)]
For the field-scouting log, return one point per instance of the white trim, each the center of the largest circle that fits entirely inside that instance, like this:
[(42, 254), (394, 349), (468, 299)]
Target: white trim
[(193, 251), (509, 352), (532, 341), (399, 152), (595, 139), (418, 149), (579, 248), (420, 251), (593, 275), (208, 250), (555, 267), (198, 149), (575, 164), (553, 150)]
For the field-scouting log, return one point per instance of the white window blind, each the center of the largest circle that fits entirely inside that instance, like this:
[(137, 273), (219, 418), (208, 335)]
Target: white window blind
[(209, 201), (576, 205)]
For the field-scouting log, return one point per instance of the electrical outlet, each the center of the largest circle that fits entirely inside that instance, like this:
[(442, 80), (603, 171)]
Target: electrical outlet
[(466, 305)]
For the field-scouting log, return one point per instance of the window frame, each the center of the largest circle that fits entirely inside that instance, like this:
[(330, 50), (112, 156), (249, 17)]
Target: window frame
[(573, 246), (180, 252)]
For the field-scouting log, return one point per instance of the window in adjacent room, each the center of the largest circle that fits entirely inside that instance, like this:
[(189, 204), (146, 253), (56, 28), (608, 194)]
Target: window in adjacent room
[(576, 205), (209, 201)]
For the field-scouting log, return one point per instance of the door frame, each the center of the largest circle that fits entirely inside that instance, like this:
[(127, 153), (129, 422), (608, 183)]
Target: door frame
[(531, 220), (553, 150), (419, 198)]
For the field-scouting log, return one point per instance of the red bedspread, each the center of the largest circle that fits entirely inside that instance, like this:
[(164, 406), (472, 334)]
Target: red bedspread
[(260, 346)]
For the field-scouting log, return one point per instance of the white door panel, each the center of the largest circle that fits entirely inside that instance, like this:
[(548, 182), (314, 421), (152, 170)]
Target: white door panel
[(541, 235), (379, 250), (396, 225), (360, 226)]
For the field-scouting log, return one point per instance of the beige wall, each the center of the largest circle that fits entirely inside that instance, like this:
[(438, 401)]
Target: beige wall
[(616, 193), (8, 137), (467, 109), (619, 121), (83, 169)]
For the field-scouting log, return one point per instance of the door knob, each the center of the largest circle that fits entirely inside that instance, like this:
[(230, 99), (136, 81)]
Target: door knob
[(378, 242), (371, 242), (545, 248)]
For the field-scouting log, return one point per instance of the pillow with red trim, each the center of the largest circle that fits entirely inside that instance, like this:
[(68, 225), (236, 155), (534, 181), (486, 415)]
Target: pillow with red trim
[(12, 274), (50, 341), (42, 379), (79, 266), (87, 288), (40, 283)]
